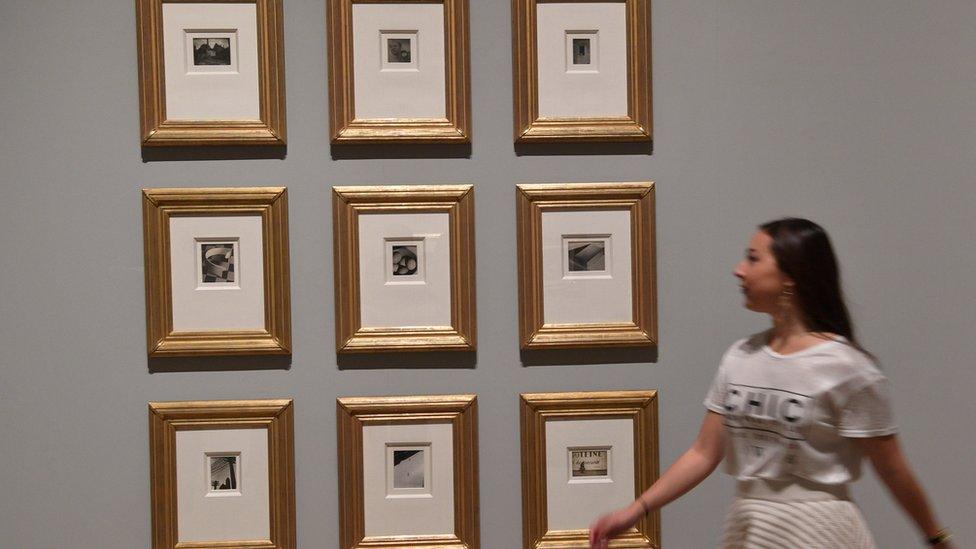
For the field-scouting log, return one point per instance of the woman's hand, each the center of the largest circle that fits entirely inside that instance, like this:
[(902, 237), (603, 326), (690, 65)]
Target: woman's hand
[(691, 468), (612, 525)]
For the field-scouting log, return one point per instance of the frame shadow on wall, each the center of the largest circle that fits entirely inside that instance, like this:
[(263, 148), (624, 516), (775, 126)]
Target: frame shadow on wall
[(227, 152), (218, 364), (370, 151), (435, 360), (577, 357)]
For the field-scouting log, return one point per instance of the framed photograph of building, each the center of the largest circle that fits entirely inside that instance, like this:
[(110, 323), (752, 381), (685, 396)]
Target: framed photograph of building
[(216, 262), (408, 472), (586, 261), (398, 71), (600, 448), (582, 70), (211, 73), (222, 474), (404, 268)]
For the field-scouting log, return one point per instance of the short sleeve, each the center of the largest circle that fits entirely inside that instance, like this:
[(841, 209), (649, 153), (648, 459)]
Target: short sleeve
[(867, 413), (715, 399)]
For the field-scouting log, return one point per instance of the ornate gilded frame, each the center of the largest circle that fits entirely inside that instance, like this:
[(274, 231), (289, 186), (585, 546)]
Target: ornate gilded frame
[(158, 206), (532, 200), (538, 408), (346, 128), (157, 130), (166, 418), (353, 413), (455, 200), (530, 127)]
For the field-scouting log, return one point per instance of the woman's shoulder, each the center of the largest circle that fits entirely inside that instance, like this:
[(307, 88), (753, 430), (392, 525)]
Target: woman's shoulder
[(850, 361), (748, 345)]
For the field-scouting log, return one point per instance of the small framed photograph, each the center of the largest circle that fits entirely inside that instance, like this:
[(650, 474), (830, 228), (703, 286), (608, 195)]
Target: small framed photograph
[(408, 471), (222, 474), (595, 447), (217, 271), (404, 268), (211, 73), (582, 70), (398, 71), (586, 259)]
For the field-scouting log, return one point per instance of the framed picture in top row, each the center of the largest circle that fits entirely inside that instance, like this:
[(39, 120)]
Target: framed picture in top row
[(211, 73), (597, 448), (398, 71), (216, 267), (586, 265), (404, 268), (582, 70)]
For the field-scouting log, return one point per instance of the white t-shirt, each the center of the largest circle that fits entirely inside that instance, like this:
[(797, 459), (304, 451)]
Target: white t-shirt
[(794, 415)]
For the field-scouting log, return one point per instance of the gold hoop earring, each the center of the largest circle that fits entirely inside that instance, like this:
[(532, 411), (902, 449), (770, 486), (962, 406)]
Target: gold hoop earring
[(786, 299)]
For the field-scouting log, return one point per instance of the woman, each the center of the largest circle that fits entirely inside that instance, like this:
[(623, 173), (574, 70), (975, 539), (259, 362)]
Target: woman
[(792, 410)]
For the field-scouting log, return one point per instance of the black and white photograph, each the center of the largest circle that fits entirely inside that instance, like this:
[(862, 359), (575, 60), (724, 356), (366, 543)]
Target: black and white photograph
[(223, 473), (589, 463), (581, 51), (211, 51), (587, 255), (218, 260), (398, 50), (408, 468), (404, 259)]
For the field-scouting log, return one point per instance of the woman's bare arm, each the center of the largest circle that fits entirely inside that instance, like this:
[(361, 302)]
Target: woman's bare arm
[(892, 467), (691, 468)]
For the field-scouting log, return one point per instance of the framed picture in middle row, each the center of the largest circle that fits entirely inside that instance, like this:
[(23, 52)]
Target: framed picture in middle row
[(586, 262), (398, 71), (404, 268)]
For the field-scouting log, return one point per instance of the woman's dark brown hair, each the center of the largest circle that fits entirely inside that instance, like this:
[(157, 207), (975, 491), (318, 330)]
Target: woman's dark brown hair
[(803, 252)]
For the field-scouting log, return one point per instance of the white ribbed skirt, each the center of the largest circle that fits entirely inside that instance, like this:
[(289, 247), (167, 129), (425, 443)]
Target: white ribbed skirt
[(757, 523)]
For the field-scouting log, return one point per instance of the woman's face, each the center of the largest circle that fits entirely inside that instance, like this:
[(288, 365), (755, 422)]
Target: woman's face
[(759, 277)]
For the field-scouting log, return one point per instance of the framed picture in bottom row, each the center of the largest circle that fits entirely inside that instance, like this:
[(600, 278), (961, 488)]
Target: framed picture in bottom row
[(222, 474), (597, 447), (408, 472)]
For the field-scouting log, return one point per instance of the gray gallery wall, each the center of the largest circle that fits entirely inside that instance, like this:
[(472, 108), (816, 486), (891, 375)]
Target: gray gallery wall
[(859, 114)]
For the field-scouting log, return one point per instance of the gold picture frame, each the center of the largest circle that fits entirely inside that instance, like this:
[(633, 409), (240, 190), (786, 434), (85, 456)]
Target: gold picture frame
[(162, 205), (538, 409), (346, 127), (348, 205), (157, 129), (530, 127), (166, 419), (532, 201), (355, 413)]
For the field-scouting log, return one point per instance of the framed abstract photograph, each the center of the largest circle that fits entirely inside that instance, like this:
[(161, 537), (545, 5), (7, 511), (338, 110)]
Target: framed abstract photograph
[(398, 71), (216, 264), (211, 73), (600, 448), (586, 263), (582, 70), (408, 472), (222, 474), (404, 268)]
